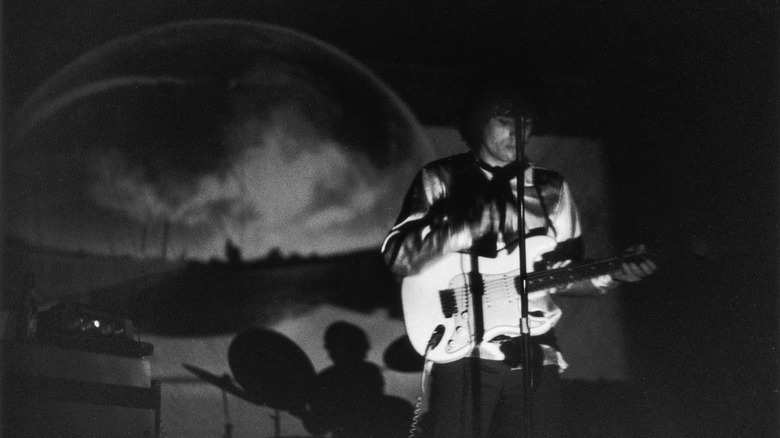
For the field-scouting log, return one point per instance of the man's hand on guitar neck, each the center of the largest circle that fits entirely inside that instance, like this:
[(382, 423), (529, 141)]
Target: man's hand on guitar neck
[(630, 271)]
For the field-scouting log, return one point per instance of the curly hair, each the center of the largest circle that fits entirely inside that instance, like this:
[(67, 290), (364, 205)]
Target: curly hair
[(497, 94)]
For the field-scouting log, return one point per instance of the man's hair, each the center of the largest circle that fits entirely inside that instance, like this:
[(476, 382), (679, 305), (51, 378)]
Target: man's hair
[(510, 95)]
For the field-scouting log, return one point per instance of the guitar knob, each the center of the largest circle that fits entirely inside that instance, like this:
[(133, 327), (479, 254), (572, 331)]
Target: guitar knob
[(459, 329), (464, 315), (450, 345)]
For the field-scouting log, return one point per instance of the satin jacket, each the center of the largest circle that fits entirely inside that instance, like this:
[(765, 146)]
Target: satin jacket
[(458, 204), (452, 206)]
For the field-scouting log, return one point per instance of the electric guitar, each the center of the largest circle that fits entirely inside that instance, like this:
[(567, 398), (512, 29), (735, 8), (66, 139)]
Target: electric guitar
[(438, 305)]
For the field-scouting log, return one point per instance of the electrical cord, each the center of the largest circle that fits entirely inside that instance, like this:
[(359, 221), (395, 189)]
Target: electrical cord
[(436, 336)]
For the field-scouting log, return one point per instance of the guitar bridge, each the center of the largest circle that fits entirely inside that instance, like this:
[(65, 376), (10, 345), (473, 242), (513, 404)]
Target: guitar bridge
[(449, 306)]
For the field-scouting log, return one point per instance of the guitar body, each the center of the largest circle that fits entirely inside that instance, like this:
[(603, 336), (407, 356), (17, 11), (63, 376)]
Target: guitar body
[(441, 295)]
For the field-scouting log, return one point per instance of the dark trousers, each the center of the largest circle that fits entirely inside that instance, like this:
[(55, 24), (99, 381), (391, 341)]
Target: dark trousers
[(475, 398)]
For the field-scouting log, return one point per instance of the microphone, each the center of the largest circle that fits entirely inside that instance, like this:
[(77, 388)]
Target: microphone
[(436, 336)]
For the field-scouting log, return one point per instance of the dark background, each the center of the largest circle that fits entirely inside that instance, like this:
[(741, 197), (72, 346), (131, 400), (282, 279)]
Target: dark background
[(684, 97)]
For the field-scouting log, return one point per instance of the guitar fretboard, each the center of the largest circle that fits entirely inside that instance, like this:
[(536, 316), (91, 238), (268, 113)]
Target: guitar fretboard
[(581, 271)]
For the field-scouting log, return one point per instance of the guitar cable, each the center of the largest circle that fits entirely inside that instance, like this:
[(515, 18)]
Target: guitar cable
[(414, 430), (436, 336)]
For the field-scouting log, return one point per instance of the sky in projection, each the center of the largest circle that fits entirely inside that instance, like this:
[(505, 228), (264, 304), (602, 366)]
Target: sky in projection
[(242, 132)]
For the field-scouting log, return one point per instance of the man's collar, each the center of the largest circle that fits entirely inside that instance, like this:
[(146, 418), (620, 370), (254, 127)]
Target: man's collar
[(508, 171)]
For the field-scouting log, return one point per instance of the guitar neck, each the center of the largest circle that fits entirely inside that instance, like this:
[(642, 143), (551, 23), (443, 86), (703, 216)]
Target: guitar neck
[(582, 271)]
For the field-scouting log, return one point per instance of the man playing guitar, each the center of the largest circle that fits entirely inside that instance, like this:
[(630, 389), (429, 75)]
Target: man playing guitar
[(460, 218)]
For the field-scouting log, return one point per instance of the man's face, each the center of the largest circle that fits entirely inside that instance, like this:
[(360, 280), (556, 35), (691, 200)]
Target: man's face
[(498, 141)]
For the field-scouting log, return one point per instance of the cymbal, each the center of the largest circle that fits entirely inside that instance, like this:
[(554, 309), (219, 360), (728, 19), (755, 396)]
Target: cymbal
[(271, 366), (401, 356), (226, 383)]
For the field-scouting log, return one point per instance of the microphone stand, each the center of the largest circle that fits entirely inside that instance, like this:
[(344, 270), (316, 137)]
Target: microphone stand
[(525, 330)]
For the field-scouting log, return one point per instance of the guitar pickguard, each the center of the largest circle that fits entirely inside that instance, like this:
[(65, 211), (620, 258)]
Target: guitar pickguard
[(442, 295)]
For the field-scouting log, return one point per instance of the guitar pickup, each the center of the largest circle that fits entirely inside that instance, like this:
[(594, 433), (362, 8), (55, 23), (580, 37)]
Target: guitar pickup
[(448, 304)]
